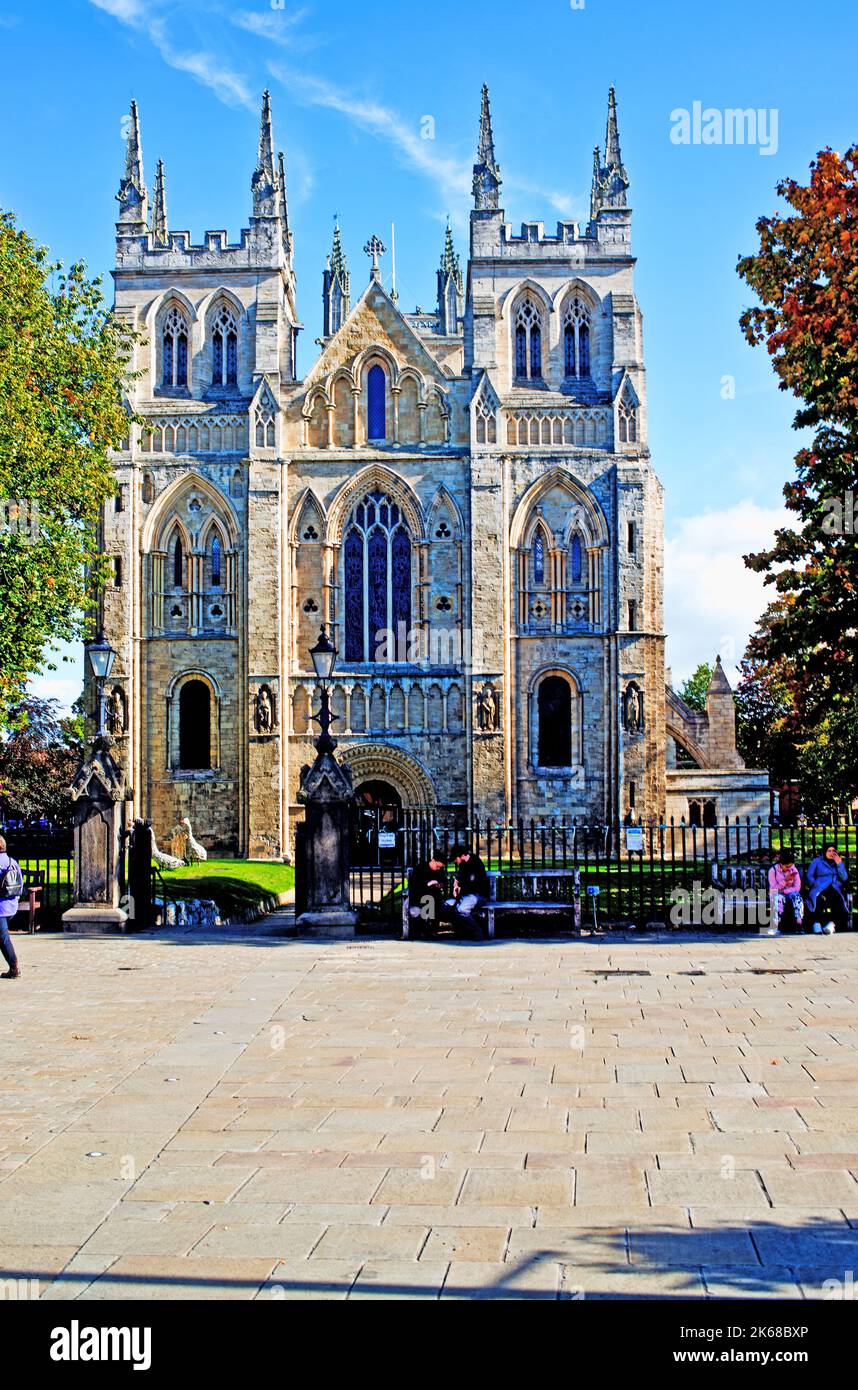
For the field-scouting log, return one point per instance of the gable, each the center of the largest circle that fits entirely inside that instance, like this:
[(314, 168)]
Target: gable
[(375, 322)]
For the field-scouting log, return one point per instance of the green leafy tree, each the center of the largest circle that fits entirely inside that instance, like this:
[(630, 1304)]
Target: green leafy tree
[(693, 691), (38, 760), (805, 275), (63, 361)]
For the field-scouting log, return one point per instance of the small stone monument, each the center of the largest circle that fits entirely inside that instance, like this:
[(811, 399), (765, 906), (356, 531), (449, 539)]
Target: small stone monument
[(99, 793)]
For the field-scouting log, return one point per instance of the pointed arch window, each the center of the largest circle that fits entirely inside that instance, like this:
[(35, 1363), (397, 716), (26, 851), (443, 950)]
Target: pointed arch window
[(375, 404), (195, 748), (174, 350), (576, 339), (575, 559), (216, 562), (627, 418), (528, 341), (554, 708), (224, 348), (377, 581), (539, 557), (178, 564)]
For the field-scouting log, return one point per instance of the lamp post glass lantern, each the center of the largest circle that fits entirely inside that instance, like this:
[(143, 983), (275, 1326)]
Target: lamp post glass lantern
[(101, 658), (324, 655)]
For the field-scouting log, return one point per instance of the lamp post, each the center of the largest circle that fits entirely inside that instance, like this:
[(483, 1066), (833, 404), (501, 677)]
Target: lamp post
[(98, 792), (101, 658), (322, 843)]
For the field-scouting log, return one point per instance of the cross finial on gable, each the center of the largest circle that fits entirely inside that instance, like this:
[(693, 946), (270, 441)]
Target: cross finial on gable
[(375, 247)]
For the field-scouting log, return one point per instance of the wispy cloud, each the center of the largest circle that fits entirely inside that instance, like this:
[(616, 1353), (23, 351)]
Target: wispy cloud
[(452, 177), (278, 27), (143, 18)]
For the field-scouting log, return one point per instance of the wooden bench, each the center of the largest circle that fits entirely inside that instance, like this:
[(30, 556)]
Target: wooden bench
[(746, 887), (30, 901), (531, 900)]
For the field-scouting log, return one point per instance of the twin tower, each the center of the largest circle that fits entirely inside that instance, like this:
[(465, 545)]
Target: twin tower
[(464, 496)]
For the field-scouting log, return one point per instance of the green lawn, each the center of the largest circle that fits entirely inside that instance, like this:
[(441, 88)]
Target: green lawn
[(233, 884)]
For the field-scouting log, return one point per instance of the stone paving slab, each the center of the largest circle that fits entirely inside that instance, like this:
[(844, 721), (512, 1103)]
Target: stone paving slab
[(217, 1116)]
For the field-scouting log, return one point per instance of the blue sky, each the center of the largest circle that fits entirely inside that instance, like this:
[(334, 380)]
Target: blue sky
[(352, 87)]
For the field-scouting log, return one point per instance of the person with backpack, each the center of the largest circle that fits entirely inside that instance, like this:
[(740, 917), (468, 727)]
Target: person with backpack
[(11, 888)]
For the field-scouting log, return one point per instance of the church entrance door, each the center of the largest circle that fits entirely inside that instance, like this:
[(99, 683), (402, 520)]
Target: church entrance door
[(377, 825)]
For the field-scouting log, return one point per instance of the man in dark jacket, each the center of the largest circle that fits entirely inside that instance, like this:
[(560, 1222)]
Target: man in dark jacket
[(471, 889), (427, 894)]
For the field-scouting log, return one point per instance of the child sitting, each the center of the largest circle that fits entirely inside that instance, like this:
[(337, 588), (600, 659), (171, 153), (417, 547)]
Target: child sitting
[(785, 889)]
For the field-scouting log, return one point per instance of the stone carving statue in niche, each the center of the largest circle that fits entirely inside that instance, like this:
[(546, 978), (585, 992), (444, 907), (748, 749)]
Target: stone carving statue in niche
[(634, 709), (115, 713), (264, 711), (487, 711)]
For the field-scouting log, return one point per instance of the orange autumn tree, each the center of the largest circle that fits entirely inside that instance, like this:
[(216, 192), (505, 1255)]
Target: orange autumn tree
[(805, 275)]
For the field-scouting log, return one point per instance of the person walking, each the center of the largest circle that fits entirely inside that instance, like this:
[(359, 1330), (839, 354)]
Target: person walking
[(826, 892), (11, 888)]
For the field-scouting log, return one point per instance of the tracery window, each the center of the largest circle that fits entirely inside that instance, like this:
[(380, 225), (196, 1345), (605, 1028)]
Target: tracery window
[(576, 340), (376, 579), (224, 348), (528, 341), (174, 350), (628, 420)]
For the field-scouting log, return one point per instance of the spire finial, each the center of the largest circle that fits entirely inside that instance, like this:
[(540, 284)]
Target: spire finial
[(336, 294), (610, 180), (612, 137), (486, 182), (133, 195), (267, 200), (160, 234)]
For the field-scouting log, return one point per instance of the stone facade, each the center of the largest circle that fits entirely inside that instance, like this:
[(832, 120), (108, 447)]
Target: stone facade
[(464, 497)]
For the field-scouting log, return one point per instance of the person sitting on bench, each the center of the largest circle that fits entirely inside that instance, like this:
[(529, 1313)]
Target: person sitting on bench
[(427, 894), (471, 888), (785, 893), (826, 896)]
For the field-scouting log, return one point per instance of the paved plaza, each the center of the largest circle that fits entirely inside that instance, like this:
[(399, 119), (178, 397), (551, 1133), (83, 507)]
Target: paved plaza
[(203, 1116)]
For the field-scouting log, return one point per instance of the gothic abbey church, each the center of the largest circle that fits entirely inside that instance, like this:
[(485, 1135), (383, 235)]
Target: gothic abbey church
[(463, 496)]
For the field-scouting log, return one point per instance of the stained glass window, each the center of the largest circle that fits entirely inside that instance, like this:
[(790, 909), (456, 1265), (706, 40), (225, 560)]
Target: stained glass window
[(535, 352), (538, 558), (224, 348), (216, 563), (569, 350), (376, 580), (174, 350), (576, 559), (375, 422), (584, 350), (353, 564), (521, 351), (528, 340)]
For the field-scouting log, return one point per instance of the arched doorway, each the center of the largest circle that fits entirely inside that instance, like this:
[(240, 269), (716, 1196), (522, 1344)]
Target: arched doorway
[(376, 824)]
